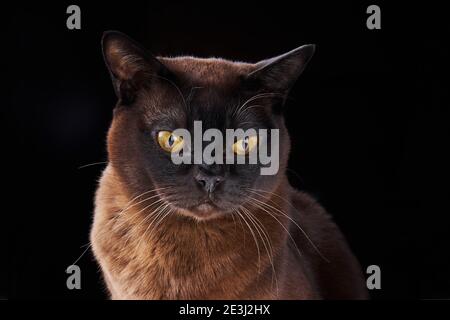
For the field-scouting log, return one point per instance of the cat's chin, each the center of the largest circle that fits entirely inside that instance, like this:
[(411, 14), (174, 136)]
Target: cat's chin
[(204, 211)]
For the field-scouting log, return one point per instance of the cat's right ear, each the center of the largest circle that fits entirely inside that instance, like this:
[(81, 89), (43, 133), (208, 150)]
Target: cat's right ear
[(129, 65)]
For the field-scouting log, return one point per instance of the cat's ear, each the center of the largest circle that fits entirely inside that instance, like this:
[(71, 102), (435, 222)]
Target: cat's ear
[(129, 64), (279, 74)]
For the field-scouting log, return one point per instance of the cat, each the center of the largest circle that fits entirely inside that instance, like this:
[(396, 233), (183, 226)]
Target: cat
[(217, 231)]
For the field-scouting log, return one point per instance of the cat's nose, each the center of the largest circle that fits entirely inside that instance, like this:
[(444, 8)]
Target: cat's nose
[(207, 181)]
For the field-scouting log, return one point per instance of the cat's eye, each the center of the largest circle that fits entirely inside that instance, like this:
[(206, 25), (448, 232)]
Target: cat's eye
[(244, 146), (170, 142)]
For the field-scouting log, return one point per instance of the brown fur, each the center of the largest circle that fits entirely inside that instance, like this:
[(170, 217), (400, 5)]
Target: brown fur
[(219, 258), (189, 259)]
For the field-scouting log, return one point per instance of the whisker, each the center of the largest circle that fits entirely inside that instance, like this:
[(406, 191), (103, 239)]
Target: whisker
[(144, 193), (259, 224), (175, 86), (253, 98), (254, 238), (269, 248), (137, 203), (139, 212), (191, 94), (287, 216), (159, 214), (281, 224), (121, 214), (242, 226), (84, 252), (92, 164), (234, 221), (164, 216), (149, 216), (130, 204), (240, 115), (292, 206)]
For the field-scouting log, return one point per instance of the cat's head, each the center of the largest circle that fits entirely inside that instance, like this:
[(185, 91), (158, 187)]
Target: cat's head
[(158, 95)]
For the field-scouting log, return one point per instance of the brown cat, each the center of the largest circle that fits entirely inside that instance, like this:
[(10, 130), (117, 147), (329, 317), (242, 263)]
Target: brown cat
[(208, 231)]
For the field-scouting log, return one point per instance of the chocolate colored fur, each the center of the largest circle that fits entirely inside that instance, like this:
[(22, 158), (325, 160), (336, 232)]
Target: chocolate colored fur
[(204, 249)]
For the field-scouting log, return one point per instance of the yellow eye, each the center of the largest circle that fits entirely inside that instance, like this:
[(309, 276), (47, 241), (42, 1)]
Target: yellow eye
[(244, 146), (170, 142)]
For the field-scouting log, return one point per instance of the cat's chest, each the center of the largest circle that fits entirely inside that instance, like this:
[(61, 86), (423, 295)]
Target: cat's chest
[(153, 272)]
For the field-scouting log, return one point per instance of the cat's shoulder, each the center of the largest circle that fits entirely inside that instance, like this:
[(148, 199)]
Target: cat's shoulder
[(110, 196), (306, 203), (310, 213)]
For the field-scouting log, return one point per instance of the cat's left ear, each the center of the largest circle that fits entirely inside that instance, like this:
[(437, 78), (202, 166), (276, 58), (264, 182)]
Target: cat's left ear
[(279, 74)]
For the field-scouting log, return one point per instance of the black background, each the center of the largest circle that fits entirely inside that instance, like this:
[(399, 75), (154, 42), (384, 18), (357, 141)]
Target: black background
[(369, 121)]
